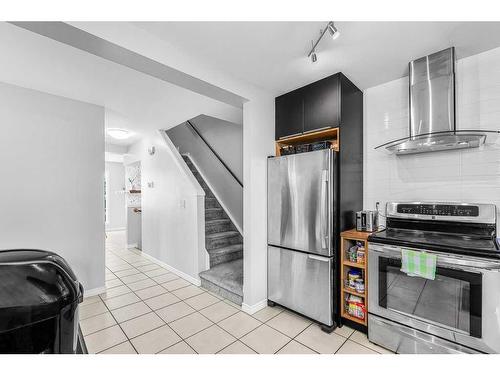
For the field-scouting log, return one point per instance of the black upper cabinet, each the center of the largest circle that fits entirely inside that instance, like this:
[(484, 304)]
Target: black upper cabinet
[(312, 107), (289, 112), (322, 104)]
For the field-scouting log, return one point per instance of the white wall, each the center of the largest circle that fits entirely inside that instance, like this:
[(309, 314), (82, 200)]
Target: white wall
[(52, 168), (114, 148), (116, 211), (258, 144), (134, 228), (463, 175), (171, 209), (226, 138)]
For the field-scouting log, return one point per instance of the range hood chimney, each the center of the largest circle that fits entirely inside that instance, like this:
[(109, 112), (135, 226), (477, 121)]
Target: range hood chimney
[(432, 109)]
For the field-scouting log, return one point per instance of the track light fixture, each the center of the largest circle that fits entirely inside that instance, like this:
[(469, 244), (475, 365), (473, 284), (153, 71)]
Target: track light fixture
[(334, 33), (314, 58)]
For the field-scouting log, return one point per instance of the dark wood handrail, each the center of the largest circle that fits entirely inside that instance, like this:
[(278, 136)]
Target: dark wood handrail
[(215, 153)]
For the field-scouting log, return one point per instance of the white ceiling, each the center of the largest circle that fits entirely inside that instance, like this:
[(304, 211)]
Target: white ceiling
[(272, 55), (115, 120), (133, 100)]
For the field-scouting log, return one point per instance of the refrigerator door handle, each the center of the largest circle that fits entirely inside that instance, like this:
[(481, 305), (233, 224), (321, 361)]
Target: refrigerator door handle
[(317, 257), (324, 209)]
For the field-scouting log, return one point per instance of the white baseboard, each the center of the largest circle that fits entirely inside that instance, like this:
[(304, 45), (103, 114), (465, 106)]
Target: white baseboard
[(94, 292), (185, 276), (252, 309), (115, 229), (131, 245)]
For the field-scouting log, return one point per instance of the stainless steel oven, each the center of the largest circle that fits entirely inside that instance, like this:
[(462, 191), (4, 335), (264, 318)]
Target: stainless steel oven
[(461, 305)]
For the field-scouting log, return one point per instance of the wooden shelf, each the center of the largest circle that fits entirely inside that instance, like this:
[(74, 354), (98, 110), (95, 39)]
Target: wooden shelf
[(331, 135), (353, 234), (353, 292), (355, 265), (353, 318), (347, 239)]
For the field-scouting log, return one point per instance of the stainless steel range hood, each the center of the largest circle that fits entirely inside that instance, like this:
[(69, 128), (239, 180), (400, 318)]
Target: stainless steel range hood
[(432, 109)]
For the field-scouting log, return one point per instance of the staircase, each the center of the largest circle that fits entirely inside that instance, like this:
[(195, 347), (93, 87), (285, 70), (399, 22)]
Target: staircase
[(224, 245)]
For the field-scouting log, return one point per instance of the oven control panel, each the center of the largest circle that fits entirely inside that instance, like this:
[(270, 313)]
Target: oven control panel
[(438, 209), (483, 213)]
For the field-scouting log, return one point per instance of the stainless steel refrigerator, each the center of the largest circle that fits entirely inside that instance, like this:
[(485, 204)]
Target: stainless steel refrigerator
[(302, 230)]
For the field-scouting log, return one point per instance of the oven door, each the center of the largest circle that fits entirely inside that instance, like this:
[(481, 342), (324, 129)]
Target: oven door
[(460, 305)]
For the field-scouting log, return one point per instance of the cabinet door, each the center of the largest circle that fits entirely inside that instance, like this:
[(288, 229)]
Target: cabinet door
[(289, 114), (322, 104)]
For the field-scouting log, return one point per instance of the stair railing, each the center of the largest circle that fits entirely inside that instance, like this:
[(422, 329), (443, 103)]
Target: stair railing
[(214, 152)]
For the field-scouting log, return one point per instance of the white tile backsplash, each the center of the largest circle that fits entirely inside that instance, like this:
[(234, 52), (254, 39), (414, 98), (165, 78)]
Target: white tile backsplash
[(462, 175)]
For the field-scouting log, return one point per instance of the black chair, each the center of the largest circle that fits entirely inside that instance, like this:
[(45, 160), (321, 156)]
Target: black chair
[(39, 297)]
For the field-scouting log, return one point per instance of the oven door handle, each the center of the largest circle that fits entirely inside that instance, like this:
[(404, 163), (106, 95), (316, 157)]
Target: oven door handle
[(445, 260), (389, 251)]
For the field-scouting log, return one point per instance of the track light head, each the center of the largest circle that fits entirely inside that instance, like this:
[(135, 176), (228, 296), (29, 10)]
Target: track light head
[(314, 58), (334, 32), (312, 54)]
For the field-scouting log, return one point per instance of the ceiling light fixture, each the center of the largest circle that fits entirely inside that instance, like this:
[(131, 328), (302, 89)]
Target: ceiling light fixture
[(118, 133), (334, 33), (314, 58)]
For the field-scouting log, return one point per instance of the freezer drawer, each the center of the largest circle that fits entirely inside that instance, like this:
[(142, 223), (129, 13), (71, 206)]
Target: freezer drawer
[(301, 282)]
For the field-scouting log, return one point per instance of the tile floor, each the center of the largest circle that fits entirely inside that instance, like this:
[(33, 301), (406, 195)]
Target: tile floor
[(148, 309)]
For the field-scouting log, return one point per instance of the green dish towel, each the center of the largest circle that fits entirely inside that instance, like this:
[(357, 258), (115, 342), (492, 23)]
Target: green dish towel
[(418, 263)]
